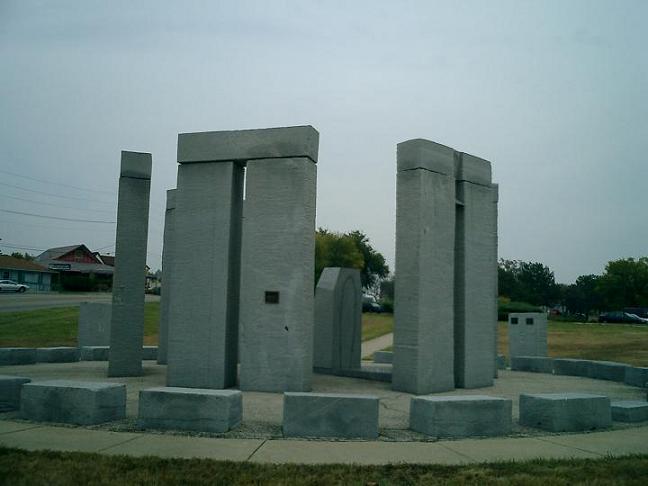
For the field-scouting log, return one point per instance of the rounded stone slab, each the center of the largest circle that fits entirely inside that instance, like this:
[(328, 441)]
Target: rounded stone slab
[(330, 415), (630, 411), (74, 402), (636, 376), (195, 409), (461, 416), (535, 364), (17, 356), (10, 391), (565, 412), (242, 145), (57, 355)]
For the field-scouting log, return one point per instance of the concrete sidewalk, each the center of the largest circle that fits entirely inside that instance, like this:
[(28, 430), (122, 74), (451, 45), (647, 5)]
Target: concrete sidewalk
[(24, 435), (376, 344)]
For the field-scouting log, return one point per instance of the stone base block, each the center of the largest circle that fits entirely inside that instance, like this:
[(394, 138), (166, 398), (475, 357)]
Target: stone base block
[(635, 376), (17, 356), (57, 355), (190, 409), (461, 416), (74, 402), (607, 370), (94, 353), (149, 353), (565, 412), (10, 391), (630, 411), (535, 364), (571, 367), (330, 415), (383, 357), (501, 362), (367, 371)]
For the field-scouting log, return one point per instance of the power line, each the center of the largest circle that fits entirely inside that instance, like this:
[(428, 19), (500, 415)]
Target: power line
[(55, 183), (55, 205), (54, 195), (18, 247), (56, 217)]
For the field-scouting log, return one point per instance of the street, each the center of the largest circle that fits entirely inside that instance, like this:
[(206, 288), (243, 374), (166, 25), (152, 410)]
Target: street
[(15, 302)]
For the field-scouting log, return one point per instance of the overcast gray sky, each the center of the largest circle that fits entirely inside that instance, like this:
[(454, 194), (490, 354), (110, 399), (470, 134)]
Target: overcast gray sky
[(554, 93)]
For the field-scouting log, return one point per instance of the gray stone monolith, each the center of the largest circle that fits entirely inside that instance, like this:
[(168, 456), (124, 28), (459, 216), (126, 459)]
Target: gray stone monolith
[(527, 334), (475, 274), (167, 275), (425, 256), (495, 263), (94, 324), (277, 301), (338, 319), (127, 320)]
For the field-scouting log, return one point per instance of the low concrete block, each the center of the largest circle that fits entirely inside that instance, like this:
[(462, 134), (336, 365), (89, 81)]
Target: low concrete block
[(17, 356), (535, 364), (607, 370), (501, 362), (461, 416), (565, 412), (635, 376), (571, 367), (57, 355), (367, 371), (94, 353), (149, 353), (630, 411), (190, 409), (74, 402), (10, 391), (330, 415), (383, 357)]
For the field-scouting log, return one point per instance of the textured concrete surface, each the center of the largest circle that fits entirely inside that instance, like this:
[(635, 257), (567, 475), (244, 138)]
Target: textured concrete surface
[(630, 411), (245, 145), (127, 319), (73, 402), (330, 415), (527, 334), (10, 390), (57, 355), (425, 249), (276, 339), (190, 409), (535, 364), (501, 362), (338, 319), (607, 370), (17, 356), (495, 260), (94, 324), (366, 371), (560, 412), (461, 416), (636, 376), (383, 357), (150, 353), (203, 325), (474, 283), (571, 367), (167, 275), (94, 353)]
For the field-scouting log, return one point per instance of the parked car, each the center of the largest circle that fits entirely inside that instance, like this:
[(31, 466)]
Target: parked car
[(620, 316), (370, 304), (11, 286)]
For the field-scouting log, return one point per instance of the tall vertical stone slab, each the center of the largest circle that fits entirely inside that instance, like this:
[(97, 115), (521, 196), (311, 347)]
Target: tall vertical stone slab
[(167, 275), (338, 319), (203, 319), (94, 324), (475, 284), (495, 263), (527, 334), (425, 255), (127, 320), (277, 302)]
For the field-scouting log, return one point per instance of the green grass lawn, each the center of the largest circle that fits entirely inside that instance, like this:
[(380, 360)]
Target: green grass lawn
[(376, 325), (19, 468), (58, 326)]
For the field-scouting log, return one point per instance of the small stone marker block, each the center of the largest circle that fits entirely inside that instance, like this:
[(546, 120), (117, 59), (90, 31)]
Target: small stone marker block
[(535, 364), (636, 376), (501, 362), (94, 324), (630, 411), (10, 390), (198, 409), (571, 367), (94, 353), (607, 370), (57, 355), (149, 353), (385, 357), (73, 402), (17, 356), (461, 416), (330, 415), (565, 412)]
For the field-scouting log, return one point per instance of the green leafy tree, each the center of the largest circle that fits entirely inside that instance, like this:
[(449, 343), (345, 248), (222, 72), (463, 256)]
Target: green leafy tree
[(529, 282), (375, 268), (335, 250), (23, 256), (625, 283)]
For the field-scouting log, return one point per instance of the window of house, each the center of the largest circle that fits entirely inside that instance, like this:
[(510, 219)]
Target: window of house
[(529, 321), (514, 320)]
